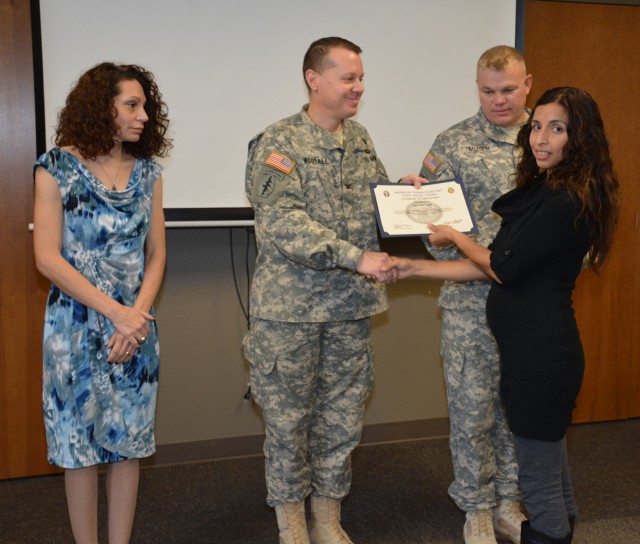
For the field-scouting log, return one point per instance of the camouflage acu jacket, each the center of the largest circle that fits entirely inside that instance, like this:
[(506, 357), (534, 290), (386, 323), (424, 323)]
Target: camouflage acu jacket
[(484, 157), (313, 219)]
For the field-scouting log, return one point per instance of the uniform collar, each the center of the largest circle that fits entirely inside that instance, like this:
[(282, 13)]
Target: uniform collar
[(323, 138), (495, 132)]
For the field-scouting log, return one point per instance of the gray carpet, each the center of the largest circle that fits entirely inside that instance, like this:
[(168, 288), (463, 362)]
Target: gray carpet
[(399, 496)]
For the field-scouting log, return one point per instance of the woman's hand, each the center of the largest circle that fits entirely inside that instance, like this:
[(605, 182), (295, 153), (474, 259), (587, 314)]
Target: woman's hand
[(404, 267), (132, 329), (121, 350), (442, 235)]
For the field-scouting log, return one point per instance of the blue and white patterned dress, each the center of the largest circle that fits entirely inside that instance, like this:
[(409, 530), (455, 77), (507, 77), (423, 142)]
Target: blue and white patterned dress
[(95, 411)]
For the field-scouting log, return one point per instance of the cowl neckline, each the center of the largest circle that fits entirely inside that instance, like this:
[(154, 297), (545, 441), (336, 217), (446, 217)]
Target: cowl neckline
[(114, 196), (519, 201)]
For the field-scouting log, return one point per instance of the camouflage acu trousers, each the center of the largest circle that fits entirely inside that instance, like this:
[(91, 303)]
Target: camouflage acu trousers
[(311, 381), (482, 449)]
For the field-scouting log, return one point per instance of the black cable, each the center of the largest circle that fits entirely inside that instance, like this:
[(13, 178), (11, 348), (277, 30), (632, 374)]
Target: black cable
[(245, 311), (246, 264), (247, 394)]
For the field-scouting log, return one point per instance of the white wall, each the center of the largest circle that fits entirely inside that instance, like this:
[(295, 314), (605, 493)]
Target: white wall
[(228, 69)]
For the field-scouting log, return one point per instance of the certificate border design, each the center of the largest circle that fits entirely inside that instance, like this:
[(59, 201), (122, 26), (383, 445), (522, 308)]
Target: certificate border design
[(386, 234)]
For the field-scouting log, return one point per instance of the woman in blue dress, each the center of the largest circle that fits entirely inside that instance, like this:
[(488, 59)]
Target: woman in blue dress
[(99, 237), (560, 217)]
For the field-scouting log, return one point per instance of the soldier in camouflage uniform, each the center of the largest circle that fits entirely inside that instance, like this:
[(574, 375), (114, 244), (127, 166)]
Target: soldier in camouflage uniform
[(482, 152), (309, 342)]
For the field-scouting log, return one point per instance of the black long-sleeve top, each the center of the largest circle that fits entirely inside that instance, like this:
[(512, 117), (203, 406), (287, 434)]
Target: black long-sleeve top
[(537, 255)]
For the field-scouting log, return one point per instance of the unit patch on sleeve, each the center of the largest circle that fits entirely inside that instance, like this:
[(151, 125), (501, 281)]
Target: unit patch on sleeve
[(282, 163), (431, 162)]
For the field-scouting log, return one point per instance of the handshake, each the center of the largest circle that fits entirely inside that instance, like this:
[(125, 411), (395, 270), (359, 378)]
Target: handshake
[(383, 268)]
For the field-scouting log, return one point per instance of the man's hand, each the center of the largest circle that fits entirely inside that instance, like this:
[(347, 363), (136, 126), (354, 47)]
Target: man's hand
[(414, 179), (371, 264)]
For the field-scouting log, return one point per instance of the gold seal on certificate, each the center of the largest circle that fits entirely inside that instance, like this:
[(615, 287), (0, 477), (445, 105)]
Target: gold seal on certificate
[(403, 210)]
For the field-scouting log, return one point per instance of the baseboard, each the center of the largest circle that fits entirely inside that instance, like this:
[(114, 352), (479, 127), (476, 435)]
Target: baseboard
[(401, 431), (247, 446)]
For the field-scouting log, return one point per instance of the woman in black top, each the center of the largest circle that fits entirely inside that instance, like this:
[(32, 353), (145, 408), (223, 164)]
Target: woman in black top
[(561, 214)]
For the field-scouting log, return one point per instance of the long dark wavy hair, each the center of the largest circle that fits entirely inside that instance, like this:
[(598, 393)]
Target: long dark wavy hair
[(585, 171), (87, 120)]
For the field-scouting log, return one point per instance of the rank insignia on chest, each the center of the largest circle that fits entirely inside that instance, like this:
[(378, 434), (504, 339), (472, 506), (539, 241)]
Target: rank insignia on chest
[(282, 163), (431, 162)]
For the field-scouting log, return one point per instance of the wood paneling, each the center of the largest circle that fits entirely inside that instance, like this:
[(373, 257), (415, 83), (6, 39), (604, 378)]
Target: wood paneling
[(596, 48), (22, 290)]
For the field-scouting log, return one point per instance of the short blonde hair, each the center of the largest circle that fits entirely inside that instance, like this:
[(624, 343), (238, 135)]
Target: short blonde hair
[(499, 57)]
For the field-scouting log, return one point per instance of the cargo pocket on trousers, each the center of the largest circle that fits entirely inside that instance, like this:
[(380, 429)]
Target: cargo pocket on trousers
[(453, 357), (367, 377), (261, 360)]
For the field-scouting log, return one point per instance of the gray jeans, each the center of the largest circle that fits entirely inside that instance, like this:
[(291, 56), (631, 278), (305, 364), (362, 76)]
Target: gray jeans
[(546, 485)]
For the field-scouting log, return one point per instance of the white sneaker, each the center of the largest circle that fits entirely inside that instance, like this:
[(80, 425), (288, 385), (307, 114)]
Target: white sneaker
[(478, 528), (507, 519)]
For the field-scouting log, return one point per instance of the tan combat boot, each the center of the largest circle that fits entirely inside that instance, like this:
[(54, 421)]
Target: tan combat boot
[(478, 529), (507, 520), (324, 527), (292, 523)]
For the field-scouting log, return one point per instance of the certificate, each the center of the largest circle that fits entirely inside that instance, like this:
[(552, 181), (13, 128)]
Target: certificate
[(403, 210)]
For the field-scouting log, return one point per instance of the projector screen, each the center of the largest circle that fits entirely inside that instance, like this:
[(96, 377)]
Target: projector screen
[(227, 69)]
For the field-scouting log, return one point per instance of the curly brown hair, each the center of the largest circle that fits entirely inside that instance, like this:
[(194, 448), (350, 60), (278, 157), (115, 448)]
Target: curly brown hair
[(586, 169), (87, 120)]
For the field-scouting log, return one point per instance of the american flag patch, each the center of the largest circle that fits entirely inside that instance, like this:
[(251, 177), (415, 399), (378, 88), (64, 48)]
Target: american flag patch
[(431, 162), (280, 162)]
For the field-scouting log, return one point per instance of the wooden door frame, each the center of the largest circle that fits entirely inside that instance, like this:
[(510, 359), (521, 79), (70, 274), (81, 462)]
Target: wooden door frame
[(22, 290), (598, 57)]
